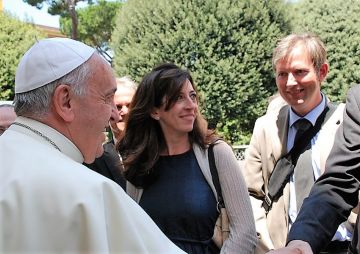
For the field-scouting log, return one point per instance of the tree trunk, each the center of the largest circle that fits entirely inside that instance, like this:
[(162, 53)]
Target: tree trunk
[(74, 29)]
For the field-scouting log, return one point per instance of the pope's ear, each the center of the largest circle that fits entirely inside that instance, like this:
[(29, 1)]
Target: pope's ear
[(62, 102)]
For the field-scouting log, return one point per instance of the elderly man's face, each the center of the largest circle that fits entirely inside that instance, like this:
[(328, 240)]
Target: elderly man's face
[(7, 117), (122, 99), (95, 110)]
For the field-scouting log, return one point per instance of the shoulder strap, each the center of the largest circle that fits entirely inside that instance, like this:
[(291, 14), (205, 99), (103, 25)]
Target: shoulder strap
[(284, 167), (215, 176)]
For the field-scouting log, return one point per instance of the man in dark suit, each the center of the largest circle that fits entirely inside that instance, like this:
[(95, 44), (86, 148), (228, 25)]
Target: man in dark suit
[(335, 193), (109, 164)]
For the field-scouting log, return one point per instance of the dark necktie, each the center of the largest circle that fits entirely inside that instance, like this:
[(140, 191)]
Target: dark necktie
[(301, 126), (303, 172)]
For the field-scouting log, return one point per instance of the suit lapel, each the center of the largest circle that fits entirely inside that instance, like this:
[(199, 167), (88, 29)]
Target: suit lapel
[(282, 123), (282, 127)]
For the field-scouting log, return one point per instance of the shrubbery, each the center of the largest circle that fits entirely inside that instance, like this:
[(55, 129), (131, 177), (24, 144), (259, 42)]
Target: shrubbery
[(16, 38), (227, 46), (337, 23)]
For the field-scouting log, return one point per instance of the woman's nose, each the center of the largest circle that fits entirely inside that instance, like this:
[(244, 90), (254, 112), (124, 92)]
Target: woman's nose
[(190, 102)]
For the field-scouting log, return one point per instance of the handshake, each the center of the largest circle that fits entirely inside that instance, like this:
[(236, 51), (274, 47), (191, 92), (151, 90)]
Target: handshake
[(294, 247)]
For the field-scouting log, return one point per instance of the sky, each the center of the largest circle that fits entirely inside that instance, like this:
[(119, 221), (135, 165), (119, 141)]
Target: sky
[(26, 12)]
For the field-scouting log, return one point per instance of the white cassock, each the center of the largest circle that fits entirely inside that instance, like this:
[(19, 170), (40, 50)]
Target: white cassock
[(51, 203)]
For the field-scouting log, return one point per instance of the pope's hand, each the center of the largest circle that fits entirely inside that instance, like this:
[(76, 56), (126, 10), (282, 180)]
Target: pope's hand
[(294, 247)]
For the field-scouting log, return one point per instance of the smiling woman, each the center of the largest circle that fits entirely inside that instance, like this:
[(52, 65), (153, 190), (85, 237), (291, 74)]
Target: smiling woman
[(164, 151)]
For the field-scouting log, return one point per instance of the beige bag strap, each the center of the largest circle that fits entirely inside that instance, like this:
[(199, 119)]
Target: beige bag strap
[(223, 221)]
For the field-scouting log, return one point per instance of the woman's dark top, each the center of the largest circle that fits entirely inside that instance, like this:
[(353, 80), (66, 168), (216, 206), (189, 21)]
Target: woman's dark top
[(182, 204)]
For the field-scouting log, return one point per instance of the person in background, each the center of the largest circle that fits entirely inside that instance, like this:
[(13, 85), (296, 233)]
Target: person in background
[(335, 193), (109, 163), (164, 151), (49, 201), (300, 65), (7, 116), (126, 89)]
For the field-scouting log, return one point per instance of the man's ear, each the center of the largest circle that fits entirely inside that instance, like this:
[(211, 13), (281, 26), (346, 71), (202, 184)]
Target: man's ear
[(324, 69), (62, 101)]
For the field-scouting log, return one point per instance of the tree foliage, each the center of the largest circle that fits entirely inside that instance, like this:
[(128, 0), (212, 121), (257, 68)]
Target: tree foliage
[(227, 45), (96, 23), (16, 38), (337, 23)]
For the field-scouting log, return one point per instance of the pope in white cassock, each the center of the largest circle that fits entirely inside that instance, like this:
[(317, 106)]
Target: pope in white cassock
[(49, 201)]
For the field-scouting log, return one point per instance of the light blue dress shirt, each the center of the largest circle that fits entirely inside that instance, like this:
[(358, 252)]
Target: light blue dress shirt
[(342, 234)]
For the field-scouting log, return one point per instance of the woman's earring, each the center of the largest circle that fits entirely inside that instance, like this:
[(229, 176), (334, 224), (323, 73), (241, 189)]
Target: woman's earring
[(155, 117)]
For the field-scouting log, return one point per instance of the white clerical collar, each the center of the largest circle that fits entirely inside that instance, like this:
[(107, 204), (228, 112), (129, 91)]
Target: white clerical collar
[(46, 134)]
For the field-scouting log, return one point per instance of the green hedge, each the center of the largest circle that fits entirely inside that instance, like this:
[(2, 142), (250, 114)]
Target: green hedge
[(337, 23), (227, 45), (16, 38)]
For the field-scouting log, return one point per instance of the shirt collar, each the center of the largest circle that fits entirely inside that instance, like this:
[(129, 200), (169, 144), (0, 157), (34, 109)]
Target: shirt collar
[(65, 145), (312, 115)]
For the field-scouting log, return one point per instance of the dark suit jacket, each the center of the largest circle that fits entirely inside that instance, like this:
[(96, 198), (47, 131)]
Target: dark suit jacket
[(336, 192), (109, 165)]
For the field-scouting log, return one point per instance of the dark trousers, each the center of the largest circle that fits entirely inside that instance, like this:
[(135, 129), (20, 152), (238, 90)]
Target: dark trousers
[(336, 247)]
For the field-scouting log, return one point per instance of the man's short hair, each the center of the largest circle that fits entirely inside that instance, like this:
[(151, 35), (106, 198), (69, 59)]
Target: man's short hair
[(312, 43)]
